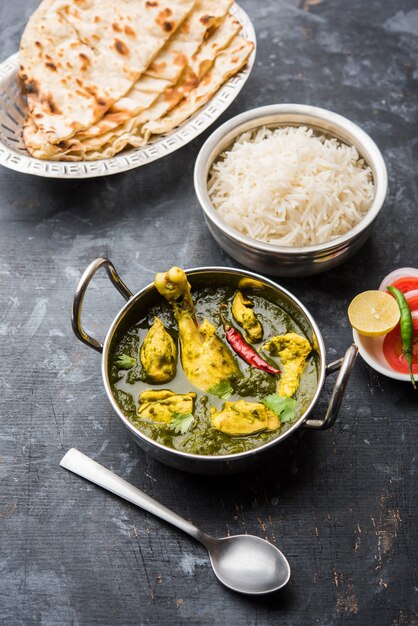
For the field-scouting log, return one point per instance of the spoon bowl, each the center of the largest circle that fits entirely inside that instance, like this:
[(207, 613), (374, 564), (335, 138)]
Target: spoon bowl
[(248, 564), (243, 563)]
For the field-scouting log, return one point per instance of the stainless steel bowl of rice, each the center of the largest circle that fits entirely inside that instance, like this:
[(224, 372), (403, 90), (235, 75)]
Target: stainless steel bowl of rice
[(290, 189)]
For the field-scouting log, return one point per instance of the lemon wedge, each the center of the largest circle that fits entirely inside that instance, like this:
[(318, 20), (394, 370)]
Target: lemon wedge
[(373, 313)]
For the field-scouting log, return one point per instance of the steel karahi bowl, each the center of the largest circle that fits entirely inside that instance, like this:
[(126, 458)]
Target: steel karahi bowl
[(287, 260), (137, 307)]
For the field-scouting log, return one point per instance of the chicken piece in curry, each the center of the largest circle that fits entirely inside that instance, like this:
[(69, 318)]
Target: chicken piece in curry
[(160, 405), (244, 315), (205, 359), (292, 350), (158, 354), (244, 418)]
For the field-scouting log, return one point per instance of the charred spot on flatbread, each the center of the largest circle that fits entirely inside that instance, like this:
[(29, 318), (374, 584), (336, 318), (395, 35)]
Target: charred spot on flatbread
[(185, 27), (48, 101), (205, 19), (180, 59), (163, 21), (102, 102), (32, 86), (191, 82), (85, 61), (121, 47), (129, 31), (157, 67)]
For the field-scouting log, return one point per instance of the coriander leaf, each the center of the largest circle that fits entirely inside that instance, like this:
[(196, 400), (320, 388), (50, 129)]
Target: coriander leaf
[(181, 422), (288, 412), (274, 402), (125, 362), (283, 407), (223, 390)]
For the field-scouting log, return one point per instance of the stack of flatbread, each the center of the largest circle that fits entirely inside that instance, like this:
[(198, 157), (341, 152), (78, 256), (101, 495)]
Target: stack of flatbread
[(103, 75)]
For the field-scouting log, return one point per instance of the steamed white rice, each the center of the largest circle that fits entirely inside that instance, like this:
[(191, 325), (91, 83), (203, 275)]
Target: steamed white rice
[(291, 187)]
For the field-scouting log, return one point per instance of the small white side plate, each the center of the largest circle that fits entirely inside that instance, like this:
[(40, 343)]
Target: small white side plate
[(371, 350)]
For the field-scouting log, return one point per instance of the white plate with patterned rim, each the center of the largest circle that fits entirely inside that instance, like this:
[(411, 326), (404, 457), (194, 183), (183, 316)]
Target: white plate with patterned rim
[(14, 155)]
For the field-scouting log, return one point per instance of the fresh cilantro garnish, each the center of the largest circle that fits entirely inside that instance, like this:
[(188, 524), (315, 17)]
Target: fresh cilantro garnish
[(223, 390), (125, 362), (283, 407), (181, 422)]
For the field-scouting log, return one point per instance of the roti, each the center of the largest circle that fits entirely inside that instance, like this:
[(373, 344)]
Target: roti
[(162, 73), (228, 63), (189, 96), (135, 131), (78, 57), (169, 77)]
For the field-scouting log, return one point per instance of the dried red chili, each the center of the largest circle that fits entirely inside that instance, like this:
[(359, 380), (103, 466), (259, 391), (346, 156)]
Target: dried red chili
[(244, 350)]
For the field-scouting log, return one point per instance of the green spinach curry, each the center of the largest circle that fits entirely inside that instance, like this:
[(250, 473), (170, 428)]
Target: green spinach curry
[(213, 371)]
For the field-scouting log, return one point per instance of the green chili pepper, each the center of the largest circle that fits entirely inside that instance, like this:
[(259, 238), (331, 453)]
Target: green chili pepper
[(407, 328)]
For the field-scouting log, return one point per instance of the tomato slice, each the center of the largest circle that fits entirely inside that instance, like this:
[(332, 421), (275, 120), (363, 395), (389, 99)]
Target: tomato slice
[(406, 283), (392, 349), (413, 303)]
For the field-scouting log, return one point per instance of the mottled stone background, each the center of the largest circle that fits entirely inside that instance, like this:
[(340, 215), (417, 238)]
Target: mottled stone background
[(341, 503)]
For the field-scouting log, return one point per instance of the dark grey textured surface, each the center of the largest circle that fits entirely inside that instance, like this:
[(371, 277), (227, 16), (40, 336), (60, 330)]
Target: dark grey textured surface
[(341, 504)]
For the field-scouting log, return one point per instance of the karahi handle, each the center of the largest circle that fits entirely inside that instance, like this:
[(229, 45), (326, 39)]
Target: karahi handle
[(84, 282), (344, 367)]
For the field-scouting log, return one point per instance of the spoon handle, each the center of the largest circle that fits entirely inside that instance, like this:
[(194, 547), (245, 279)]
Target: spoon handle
[(80, 464)]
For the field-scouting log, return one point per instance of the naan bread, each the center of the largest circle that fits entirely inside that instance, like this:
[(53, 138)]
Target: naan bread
[(79, 56), (163, 72)]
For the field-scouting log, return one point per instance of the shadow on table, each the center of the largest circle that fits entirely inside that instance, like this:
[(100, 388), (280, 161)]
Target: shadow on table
[(294, 463), (280, 600), (291, 461), (96, 199)]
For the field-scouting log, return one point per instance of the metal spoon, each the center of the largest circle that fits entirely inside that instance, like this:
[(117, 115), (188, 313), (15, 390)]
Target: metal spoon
[(243, 563)]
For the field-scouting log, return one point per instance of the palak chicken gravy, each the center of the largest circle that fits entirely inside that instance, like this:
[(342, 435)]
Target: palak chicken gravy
[(187, 374)]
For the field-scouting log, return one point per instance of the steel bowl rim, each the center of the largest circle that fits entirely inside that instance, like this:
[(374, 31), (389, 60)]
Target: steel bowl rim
[(202, 167), (224, 457)]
